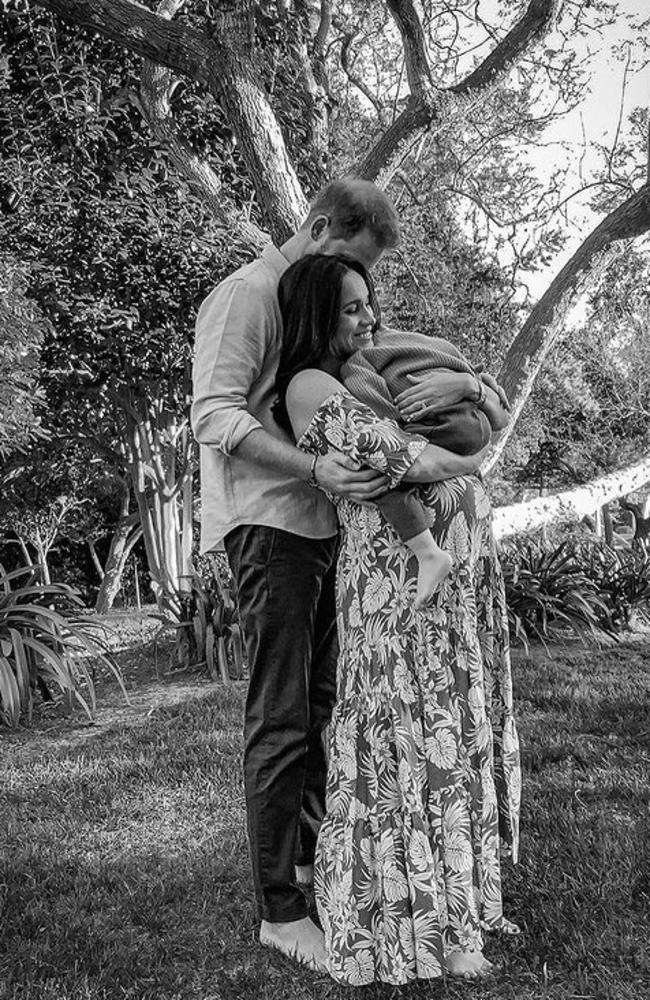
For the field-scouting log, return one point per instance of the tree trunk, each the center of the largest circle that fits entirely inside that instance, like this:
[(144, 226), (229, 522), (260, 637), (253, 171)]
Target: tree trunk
[(124, 538), (156, 438), (227, 73), (572, 505)]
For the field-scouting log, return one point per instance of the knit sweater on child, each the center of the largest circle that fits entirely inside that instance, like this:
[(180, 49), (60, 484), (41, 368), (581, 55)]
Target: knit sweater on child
[(378, 373)]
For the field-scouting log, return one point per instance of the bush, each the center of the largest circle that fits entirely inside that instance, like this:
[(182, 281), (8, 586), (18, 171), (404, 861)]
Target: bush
[(550, 592), (575, 586), (210, 634), (44, 639), (622, 578)]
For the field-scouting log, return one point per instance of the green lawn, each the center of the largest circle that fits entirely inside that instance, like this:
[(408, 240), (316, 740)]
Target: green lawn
[(124, 867)]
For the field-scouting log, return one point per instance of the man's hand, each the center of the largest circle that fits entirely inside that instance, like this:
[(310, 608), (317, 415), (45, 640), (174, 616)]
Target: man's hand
[(436, 391), (345, 477)]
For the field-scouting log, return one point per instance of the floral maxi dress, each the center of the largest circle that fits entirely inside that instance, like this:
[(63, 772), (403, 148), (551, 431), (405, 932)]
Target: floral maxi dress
[(424, 780)]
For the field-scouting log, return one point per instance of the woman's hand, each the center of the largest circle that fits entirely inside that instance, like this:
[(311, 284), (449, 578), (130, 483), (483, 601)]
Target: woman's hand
[(434, 464), (436, 391), (491, 383)]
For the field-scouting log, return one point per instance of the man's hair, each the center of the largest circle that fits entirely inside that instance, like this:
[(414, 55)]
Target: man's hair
[(309, 295), (351, 205)]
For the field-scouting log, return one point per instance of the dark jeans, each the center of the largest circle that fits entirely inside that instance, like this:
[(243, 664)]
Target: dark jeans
[(285, 590)]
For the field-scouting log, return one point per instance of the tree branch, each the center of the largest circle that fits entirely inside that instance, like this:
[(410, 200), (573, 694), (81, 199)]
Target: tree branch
[(355, 80), (426, 106), (223, 67), (571, 505), (544, 324), (531, 25), (418, 70)]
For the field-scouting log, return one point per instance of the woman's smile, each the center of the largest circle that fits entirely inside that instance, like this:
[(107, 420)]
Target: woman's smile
[(356, 318)]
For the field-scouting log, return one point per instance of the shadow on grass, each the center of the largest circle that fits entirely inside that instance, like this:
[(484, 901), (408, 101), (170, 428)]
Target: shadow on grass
[(125, 868)]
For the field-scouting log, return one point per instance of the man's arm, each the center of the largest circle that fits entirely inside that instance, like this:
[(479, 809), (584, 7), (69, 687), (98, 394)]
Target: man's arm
[(335, 472), (233, 337)]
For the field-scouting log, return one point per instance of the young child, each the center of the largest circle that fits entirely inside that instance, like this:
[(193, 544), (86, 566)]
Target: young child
[(375, 375)]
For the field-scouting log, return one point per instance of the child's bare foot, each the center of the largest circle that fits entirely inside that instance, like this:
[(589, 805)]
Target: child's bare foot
[(469, 965), (432, 570), (300, 940)]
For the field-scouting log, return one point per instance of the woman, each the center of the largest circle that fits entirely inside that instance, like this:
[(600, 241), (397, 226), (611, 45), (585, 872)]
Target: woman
[(423, 783)]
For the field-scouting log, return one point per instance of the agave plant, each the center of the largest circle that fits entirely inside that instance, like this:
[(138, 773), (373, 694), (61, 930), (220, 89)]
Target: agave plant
[(45, 639)]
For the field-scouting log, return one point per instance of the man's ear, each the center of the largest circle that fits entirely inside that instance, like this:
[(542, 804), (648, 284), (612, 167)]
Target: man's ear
[(318, 227)]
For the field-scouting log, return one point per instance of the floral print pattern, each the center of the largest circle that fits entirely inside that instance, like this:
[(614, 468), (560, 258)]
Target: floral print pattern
[(424, 780)]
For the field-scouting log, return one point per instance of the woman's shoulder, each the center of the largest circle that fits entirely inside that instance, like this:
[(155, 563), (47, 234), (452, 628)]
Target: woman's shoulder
[(313, 379), (306, 393)]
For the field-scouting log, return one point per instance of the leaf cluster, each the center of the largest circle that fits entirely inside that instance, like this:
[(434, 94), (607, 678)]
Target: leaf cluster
[(577, 586), (44, 640)]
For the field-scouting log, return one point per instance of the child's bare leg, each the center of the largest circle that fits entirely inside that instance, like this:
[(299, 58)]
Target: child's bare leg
[(433, 565)]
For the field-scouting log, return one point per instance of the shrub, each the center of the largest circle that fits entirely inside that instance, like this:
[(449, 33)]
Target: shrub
[(44, 639), (210, 634), (549, 592), (622, 578)]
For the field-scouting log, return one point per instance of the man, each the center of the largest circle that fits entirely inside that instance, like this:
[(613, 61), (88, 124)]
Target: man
[(280, 532)]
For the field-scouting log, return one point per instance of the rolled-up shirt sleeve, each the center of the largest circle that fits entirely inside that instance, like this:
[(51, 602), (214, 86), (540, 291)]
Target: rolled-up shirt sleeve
[(231, 344)]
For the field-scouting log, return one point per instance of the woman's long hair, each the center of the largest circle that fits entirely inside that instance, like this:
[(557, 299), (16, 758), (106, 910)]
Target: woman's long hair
[(309, 294)]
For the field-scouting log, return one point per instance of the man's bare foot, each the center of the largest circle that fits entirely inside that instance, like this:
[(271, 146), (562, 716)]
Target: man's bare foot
[(432, 570), (469, 965), (300, 940), (509, 927), (504, 926), (305, 874)]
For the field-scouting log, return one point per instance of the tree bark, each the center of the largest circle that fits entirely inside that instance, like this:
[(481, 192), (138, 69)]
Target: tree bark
[(157, 87), (122, 542), (572, 505)]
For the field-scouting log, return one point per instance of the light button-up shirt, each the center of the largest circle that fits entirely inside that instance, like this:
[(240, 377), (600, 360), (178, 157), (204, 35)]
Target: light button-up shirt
[(238, 339)]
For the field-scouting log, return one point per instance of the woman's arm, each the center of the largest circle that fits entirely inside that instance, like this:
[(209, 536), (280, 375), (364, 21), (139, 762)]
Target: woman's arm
[(333, 471), (353, 429), (438, 390), (434, 464), (490, 401), (443, 388)]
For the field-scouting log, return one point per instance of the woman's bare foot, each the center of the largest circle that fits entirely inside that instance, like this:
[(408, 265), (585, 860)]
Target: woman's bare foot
[(432, 570), (469, 965), (300, 940)]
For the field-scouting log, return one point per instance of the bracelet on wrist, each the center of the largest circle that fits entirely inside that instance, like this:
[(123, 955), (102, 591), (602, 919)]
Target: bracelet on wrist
[(313, 481)]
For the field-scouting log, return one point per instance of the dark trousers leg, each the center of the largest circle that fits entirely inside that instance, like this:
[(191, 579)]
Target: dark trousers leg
[(286, 603)]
